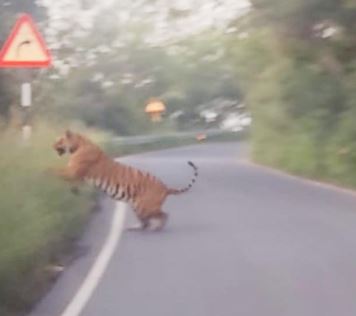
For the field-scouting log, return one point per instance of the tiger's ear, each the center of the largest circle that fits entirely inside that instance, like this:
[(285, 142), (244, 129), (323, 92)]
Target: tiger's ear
[(68, 133)]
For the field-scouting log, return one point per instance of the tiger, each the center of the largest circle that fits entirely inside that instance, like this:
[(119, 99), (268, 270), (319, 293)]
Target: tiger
[(88, 163)]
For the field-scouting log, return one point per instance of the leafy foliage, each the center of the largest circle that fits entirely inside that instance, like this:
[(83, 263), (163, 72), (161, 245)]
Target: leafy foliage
[(298, 62)]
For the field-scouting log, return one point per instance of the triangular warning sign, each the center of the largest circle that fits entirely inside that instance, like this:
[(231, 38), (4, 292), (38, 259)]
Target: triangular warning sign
[(25, 46)]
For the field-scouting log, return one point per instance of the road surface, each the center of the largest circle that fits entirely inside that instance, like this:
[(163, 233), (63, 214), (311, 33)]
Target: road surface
[(245, 241)]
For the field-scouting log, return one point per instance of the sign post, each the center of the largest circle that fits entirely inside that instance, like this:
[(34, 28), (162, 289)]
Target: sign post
[(26, 101), (25, 48), (26, 93)]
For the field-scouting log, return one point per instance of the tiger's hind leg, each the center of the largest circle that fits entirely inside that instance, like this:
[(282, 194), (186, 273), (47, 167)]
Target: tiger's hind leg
[(143, 221), (142, 225), (158, 221)]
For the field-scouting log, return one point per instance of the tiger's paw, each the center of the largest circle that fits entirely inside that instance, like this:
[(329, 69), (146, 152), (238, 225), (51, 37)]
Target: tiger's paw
[(136, 227)]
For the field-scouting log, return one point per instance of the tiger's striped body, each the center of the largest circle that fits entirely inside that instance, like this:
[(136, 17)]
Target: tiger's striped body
[(88, 163)]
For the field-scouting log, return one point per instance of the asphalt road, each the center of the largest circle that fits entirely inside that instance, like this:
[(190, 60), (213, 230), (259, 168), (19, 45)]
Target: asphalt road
[(245, 241)]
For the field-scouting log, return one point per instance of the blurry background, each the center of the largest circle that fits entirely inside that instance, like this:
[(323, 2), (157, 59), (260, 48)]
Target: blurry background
[(215, 64), (111, 58)]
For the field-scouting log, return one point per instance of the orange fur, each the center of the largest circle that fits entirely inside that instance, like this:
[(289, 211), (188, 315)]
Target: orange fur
[(88, 163)]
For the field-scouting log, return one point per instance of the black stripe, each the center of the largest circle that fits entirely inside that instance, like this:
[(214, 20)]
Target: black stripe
[(123, 194), (107, 184), (128, 191), (116, 188)]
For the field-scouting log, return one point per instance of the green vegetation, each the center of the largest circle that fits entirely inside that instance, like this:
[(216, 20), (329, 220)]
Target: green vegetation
[(40, 218), (115, 148), (298, 70)]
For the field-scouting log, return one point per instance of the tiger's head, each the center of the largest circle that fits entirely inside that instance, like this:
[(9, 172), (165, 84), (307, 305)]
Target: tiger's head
[(68, 143)]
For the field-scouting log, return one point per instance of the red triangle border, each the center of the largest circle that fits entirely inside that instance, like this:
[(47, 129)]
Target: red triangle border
[(25, 18)]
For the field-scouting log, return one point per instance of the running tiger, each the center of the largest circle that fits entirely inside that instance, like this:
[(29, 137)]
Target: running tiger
[(88, 163)]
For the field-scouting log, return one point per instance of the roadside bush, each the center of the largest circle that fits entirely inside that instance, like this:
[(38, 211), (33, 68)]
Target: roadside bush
[(39, 217)]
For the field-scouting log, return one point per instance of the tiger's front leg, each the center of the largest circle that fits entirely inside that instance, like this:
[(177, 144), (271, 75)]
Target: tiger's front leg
[(67, 175)]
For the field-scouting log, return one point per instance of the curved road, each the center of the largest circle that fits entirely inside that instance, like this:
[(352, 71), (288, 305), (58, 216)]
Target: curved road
[(245, 241)]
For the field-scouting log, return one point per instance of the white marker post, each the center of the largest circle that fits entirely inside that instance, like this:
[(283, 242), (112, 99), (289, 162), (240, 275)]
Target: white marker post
[(26, 102), (26, 95)]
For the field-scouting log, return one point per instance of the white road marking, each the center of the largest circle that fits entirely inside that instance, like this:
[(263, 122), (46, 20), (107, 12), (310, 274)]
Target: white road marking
[(76, 306)]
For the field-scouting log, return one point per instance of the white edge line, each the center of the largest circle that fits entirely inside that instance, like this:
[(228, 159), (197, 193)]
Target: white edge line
[(76, 306)]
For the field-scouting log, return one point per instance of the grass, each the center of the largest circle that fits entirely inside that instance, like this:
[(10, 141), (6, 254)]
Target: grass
[(39, 217)]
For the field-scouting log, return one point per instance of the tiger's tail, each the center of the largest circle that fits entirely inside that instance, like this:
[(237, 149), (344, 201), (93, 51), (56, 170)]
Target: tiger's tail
[(192, 181)]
